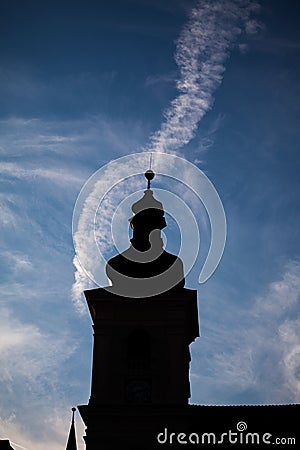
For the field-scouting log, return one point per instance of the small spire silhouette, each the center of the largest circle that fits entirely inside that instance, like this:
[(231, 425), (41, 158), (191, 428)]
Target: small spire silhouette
[(71, 444)]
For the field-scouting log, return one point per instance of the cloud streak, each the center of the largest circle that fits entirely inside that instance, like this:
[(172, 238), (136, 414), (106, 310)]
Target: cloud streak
[(262, 353), (30, 364), (201, 52)]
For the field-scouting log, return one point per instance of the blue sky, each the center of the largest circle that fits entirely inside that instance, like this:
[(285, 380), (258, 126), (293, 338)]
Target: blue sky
[(85, 82)]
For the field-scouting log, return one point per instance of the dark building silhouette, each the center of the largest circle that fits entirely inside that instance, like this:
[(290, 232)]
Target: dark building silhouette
[(71, 443), (5, 445), (145, 268), (143, 327)]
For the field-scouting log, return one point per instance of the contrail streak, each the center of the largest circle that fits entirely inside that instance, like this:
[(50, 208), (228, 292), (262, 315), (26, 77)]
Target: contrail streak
[(201, 51)]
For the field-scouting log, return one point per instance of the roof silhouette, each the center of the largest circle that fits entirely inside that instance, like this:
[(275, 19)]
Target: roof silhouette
[(5, 445)]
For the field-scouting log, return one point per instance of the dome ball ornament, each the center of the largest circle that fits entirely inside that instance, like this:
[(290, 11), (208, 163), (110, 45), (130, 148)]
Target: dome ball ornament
[(149, 175)]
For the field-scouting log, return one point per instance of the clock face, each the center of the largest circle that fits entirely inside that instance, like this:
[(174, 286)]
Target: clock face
[(138, 391)]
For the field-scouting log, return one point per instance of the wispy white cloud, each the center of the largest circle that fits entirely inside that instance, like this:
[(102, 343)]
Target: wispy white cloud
[(59, 175), (7, 215), (262, 353), (68, 138), (289, 332), (152, 80), (30, 371), (26, 351), (281, 326), (201, 52), (56, 422), (82, 282), (18, 261), (37, 351), (41, 161)]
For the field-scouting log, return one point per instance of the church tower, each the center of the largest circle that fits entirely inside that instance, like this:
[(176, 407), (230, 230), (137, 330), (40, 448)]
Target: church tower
[(143, 326)]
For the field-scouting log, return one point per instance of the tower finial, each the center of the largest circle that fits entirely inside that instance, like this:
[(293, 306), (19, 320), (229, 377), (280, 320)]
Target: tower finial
[(149, 174)]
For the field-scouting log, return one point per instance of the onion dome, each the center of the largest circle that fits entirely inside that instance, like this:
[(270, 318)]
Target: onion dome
[(148, 212)]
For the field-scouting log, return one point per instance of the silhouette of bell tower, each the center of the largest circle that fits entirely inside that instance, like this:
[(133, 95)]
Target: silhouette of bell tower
[(143, 326)]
